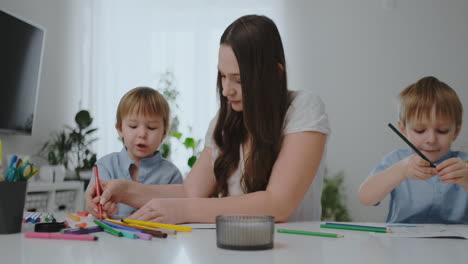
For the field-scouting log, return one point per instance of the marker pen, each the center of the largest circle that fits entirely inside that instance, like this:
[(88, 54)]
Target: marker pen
[(45, 235)]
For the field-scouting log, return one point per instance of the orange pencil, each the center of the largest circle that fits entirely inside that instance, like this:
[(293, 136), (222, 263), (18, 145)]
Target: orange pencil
[(73, 217), (98, 189)]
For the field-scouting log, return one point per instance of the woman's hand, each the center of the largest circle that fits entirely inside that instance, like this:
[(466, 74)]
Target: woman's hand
[(108, 200), (454, 170), (166, 211), (417, 168)]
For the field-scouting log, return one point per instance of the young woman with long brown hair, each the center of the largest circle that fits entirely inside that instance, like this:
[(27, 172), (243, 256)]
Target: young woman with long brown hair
[(263, 150)]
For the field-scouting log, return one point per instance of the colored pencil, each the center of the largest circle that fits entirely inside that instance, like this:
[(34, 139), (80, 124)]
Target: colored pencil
[(144, 236), (117, 226), (341, 224), (308, 233), (98, 189), (144, 229), (108, 229), (45, 235), (73, 217), (82, 231), (411, 145), (368, 229), (158, 225), (129, 235)]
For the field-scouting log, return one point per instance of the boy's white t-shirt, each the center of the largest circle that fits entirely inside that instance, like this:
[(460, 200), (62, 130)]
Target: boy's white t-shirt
[(306, 113)]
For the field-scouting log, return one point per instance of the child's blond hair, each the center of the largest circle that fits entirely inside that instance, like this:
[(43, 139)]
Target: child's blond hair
[(418, 99), (143, 101)]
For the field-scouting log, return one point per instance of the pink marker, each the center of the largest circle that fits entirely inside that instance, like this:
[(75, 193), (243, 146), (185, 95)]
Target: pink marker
[(45, 235)]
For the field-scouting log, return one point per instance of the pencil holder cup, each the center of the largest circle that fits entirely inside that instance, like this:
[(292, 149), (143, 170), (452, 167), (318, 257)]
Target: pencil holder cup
[(12, 195)]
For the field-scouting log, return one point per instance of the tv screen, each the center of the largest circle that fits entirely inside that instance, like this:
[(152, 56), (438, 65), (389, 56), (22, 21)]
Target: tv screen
[(21, 49)]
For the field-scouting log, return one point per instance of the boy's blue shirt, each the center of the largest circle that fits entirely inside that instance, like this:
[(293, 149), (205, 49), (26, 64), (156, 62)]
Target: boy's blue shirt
[(152, 170), (429, 201)]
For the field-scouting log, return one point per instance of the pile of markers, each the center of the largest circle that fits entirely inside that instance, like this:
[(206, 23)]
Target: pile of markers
[(127, 228), (19, 170), (38, 217)]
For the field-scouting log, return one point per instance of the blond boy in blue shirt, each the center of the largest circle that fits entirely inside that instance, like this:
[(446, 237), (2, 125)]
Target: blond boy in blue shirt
[(431, 118), (142, 124)]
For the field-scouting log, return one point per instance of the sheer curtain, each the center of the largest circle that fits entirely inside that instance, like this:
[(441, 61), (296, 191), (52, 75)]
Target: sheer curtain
[(135, 42)]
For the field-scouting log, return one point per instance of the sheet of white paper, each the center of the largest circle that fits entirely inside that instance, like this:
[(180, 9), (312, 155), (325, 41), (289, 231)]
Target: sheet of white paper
[(427, 231)]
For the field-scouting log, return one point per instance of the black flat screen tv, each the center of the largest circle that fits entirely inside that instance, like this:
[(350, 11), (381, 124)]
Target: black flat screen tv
[(21, 50)]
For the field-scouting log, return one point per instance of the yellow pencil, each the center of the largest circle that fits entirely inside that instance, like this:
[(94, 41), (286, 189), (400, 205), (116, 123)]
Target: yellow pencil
[(163, 230), (158, 225)]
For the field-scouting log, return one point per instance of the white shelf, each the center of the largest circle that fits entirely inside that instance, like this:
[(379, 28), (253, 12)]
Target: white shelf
[(52, 192)]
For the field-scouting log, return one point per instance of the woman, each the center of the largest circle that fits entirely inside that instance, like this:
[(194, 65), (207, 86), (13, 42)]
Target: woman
[(262, 150)]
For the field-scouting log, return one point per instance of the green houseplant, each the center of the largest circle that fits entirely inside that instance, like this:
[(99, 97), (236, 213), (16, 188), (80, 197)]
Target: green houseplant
[(56, 149), (166, 86), (81, 140), (72, 145), (333, 208)]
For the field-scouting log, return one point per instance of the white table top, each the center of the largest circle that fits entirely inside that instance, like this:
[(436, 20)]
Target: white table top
[(199, 246)]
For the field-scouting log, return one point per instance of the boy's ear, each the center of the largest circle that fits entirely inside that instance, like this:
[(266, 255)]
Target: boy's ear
[(457, 132), (401, 127), (119, 130)]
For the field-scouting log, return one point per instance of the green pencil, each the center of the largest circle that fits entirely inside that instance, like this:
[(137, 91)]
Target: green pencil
[(356, 228), (307, 233), (108, 229)]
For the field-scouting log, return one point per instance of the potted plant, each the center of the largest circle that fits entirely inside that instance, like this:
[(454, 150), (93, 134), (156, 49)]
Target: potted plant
[(81, 140), (166, 86), (70, 148), (333, 207), (56, 150)]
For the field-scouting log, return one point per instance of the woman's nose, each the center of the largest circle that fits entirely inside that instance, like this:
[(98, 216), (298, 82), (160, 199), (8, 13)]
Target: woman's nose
[(227, 89)]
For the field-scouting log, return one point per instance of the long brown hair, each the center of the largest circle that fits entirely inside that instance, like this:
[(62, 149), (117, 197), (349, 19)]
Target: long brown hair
[(257, 46)]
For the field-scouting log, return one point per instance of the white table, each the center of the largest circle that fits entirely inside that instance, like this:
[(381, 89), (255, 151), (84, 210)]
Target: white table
[(199, 246)]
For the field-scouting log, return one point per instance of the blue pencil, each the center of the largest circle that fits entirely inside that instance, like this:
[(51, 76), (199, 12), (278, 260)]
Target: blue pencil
[(121, 227), (363, 226), (398, 225)]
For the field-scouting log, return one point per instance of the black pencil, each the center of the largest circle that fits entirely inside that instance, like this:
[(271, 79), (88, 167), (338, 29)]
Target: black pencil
[(411, 145)]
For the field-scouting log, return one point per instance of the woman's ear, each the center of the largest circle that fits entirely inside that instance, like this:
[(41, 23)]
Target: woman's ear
[(281, 67)]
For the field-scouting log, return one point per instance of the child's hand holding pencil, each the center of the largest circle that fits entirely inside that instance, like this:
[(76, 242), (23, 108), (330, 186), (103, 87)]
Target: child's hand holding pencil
[(97, 185), (93, 200), (416, 168)]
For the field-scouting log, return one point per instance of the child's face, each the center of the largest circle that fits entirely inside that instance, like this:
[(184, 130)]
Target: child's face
[(230, 77), (141, 134), (432, 136)]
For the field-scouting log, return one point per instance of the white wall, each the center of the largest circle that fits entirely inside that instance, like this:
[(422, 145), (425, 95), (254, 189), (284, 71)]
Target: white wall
[(358, 56), (62, 73)]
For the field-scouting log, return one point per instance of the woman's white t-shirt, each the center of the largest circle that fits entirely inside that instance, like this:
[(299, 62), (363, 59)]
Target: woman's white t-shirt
[(306, 113)]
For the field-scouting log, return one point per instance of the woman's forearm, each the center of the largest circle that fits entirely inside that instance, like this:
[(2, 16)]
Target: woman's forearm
[(205, 210), (138, 194)]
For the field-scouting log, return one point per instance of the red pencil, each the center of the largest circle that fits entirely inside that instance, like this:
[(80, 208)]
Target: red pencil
[(98, 189)]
